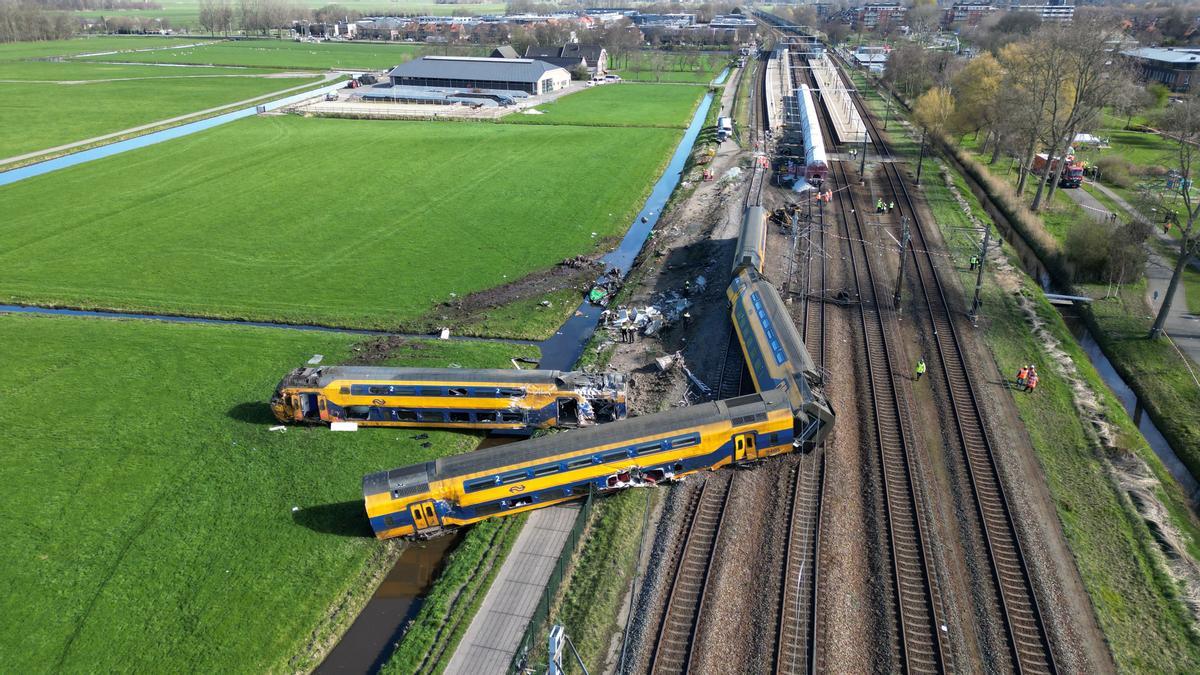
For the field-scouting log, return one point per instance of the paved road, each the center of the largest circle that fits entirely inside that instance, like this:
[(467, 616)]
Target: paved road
[(1184, 328)]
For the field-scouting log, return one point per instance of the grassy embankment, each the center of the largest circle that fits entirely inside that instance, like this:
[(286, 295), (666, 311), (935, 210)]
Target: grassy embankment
[(150, 518), (644, 67), (486, 205), (1137, 606), (447, 610), (283, 54)]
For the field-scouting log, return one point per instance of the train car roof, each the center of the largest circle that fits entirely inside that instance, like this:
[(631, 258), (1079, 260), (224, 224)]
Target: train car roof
[(677, 420), (325, 375)]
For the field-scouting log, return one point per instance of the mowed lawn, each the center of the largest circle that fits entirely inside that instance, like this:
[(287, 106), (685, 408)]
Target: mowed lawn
[(283, 54), (76, 71), (148, 520), (668, 67), (635, 105), (48, 115), (341, 222)]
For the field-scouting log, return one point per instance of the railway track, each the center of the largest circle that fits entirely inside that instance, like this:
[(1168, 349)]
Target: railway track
[(675, 647), (758, 174), (1028, 643), (917, 624), (733, 369), (796, 629)]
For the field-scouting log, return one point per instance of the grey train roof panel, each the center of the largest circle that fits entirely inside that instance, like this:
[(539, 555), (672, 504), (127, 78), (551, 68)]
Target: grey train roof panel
[(326, 375)]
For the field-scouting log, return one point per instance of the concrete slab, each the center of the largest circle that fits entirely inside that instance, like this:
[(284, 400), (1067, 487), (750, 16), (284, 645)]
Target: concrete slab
[(491, 640), (847, 124)]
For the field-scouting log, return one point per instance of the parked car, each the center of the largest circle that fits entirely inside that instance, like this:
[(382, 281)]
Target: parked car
[(612, 78)]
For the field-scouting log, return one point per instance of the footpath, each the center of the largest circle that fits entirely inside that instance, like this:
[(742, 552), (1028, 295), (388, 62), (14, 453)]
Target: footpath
[(1182, 327)]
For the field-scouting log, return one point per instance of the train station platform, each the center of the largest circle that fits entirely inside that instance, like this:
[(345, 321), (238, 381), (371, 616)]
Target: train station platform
[(847, 124), (492, 638)]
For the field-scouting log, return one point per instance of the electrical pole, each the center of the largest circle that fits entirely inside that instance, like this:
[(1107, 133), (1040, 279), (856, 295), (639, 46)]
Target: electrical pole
[(904, 236), (921, 159), (862, 161), (987, 233), (887, 115)]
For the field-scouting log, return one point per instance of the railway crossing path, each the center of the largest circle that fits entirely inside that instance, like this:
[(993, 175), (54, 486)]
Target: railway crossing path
[(491, 640)]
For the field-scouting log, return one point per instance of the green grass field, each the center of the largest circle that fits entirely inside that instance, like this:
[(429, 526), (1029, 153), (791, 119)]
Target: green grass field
[(51, 114), (611, 105), (282, 54), (341, 222), (11, 51), (76, 71), (186, 13), (651, 67), (148, 521)]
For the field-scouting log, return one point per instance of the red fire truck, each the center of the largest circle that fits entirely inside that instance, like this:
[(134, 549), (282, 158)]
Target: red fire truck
[(1071, 175)]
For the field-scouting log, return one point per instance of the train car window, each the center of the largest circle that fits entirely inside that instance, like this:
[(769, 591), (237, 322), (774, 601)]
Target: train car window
[(479, 484), (358, 412), (427, 391), (460, 416), (521, 501), (487, 417), (613, 456), (510, 392), (579, 463), (389, 521), (775, 439), (431, 416), (545, 470), (345, 391), (513, 477), (487, 509), (507, 416), (685, 442), (647, 448), (581, 488), (557, 493), (405, 416), (456, 391), (379, 390), (403, 391)]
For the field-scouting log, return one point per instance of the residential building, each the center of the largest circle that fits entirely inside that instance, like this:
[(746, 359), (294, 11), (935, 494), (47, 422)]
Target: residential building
[(1175, 67)]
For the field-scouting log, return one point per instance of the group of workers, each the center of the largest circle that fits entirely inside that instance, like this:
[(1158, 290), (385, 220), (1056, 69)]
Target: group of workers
[(881, 207), (1027, 378)]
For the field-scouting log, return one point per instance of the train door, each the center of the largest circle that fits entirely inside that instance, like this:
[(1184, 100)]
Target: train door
[(308, 404), (424, 517), (568, 411), (744, 447)]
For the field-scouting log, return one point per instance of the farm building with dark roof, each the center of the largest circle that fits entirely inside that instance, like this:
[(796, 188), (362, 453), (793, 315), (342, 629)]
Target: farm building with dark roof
[(529, 75)]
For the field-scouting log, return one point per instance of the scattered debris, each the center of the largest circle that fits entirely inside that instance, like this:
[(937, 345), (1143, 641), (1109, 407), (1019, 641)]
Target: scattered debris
[(427, 444), (532, 111), (420, 437), (444, 334), (317, 358), (278, 427), (546, 303), (344, 426), (294, 509), (454, 365), (665, 362)]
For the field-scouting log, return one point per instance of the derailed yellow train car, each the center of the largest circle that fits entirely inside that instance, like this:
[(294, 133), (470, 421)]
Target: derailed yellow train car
[(454, 398), (424, 500), (776, 355)]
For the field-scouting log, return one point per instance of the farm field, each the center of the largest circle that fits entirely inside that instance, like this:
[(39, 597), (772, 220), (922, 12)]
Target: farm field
[(359, 233), (186, 13), (149, 524), (54, 114), (283, 54), (667, 67), (11, 51), (620, 105), (82, 71)]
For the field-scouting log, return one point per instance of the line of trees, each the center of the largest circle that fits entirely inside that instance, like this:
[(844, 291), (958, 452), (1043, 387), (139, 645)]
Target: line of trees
[(25, 21)]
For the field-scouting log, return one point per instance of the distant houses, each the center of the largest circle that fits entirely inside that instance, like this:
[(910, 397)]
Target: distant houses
[(572, 56)]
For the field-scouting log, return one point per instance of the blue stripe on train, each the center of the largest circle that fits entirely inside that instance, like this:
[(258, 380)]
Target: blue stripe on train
[(404, 518), (533, 416)]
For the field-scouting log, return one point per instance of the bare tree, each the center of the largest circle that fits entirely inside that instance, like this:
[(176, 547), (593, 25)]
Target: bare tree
[(1181, 123), (1082, 85)]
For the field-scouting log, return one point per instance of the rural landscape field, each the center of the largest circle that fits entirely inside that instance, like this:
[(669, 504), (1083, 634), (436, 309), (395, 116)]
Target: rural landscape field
[(158, 512)]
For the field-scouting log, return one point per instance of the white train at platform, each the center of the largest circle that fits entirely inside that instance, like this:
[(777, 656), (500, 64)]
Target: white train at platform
[(816, 168)]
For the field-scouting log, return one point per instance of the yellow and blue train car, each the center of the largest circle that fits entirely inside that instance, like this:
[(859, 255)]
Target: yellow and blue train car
[(776, 355), (426, 499), (453, 398)]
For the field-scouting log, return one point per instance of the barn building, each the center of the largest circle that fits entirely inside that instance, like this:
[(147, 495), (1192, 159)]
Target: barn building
[(528, 75)]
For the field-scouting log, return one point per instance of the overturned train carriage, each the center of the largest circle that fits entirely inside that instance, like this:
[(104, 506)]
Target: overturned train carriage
[(449, 398), (426, 499), (776, 355)]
